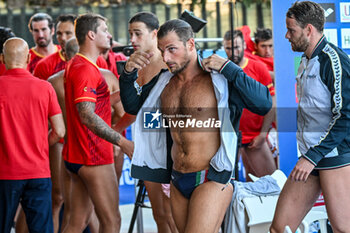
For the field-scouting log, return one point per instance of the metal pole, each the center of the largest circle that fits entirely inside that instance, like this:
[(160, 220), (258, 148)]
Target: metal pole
[(231, 4), (231, 25), (218, 23)]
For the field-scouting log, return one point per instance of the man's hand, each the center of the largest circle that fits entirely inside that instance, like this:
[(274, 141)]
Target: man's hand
[(258, 141), (138, 60), (126, 146), (214, 62), (301, 170)]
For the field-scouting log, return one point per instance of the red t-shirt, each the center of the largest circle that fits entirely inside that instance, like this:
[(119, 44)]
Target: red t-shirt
[(2, 68), (250, 45), (55, 63), (112, 59), (268, 61), (35, 57), (50, 65), (24, 114), (85, 83), (251, 123), (250, 49), (102, 63)]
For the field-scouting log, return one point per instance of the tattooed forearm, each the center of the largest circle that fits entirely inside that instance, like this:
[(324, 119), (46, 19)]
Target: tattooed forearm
[(98, 126)]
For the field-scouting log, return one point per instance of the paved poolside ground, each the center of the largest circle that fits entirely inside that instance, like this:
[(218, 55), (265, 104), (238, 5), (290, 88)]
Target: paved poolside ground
[(149, 225)]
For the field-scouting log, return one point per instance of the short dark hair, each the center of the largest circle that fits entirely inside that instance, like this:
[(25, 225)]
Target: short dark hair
[(5, 33), (40, 17), (85, 23), (66, 18), (148, 18), (262, 34), (181, 28), (236, 33), (307, 12)]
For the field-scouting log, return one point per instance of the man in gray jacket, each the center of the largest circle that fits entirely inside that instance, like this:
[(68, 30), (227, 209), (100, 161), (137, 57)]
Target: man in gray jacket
[(323, 87)]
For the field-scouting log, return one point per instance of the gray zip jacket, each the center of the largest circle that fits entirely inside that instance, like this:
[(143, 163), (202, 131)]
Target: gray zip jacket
[(323, 89)]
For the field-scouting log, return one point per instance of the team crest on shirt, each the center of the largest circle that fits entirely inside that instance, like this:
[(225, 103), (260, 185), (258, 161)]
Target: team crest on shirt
[(89, 89)]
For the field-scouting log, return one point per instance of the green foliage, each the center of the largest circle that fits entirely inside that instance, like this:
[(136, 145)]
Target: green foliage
[(248, 2), (45, 3)]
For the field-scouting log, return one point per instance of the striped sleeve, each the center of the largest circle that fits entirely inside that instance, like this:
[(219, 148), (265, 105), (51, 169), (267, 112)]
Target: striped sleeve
[(335, 74)]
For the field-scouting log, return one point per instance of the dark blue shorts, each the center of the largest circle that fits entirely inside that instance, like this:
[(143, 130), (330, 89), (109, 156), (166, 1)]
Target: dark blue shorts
[(73, 167), (187, 182), (35, 197), (315, 172)]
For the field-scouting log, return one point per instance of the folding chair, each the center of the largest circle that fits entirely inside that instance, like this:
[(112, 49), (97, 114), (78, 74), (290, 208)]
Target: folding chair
[(315, 214), (260, 211)]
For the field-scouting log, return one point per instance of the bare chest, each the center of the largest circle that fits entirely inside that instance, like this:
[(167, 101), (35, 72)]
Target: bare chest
[(194, 97)]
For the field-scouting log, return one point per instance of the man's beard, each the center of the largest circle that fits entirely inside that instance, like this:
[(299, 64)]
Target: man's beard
[(300, 45), (44, 43), (183, 66), (237, 59)]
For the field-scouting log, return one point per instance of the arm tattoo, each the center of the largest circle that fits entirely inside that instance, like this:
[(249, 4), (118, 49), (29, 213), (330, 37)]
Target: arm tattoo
[(95, 123)]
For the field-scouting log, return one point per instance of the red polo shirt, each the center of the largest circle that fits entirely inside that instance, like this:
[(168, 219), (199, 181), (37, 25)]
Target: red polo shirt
[(26, 103), (2, 68)]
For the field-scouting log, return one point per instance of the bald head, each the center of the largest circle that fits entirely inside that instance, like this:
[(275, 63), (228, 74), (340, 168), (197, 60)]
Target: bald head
[(72, 47), (15, 53)]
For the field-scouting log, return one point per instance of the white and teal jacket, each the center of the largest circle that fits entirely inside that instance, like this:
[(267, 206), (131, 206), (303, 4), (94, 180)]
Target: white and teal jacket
[(234, 90), (323, 89)]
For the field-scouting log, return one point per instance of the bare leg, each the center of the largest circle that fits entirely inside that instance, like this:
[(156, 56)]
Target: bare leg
[(101, 183), (94, 224), (294, 202), (207, 207), (80, 206), (160, 207), (67, 183), (67, 193), (179, 208), (118, 161), (260, 160), (335, 185), (55, 154), (167, 207), (246, 163)]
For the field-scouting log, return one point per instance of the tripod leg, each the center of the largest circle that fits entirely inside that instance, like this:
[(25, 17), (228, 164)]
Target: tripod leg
[(138, 202)]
